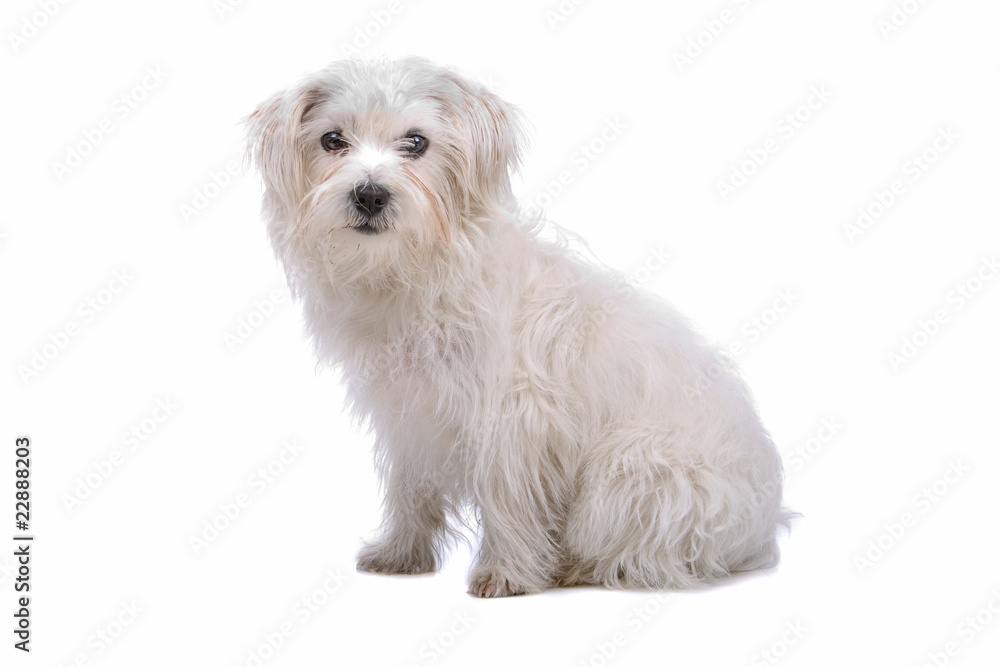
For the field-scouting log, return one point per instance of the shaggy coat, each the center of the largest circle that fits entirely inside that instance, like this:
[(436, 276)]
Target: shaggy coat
[(596, 437)]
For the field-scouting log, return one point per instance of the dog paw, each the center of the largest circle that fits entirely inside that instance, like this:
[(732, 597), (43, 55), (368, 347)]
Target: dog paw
[(381, 560), (492, 585)]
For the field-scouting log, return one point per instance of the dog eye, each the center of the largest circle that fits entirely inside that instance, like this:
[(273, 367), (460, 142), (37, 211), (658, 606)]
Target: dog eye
[(417, 144), (333, 141)]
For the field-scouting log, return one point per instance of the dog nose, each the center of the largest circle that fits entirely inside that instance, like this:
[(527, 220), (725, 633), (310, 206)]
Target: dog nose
[(370, 198)]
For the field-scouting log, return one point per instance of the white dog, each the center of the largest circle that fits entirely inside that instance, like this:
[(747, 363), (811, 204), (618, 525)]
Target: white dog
[(596, 437)]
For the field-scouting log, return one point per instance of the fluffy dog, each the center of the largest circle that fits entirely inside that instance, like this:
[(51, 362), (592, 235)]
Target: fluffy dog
[(596, 438)]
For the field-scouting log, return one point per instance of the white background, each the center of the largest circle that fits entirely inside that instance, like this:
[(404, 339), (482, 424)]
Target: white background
[(875, 573)]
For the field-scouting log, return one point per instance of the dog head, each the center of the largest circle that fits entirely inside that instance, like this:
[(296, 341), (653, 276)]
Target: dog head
[(373, 168)]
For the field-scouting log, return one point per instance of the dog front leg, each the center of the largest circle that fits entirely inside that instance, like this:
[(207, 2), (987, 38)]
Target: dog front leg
[(413, 532), (521, 493)]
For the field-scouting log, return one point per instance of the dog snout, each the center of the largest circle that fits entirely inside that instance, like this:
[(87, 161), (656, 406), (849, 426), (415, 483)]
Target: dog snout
[(370, 198)]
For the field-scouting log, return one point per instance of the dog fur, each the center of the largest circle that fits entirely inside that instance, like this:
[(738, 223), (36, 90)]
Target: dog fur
[(595, 436)]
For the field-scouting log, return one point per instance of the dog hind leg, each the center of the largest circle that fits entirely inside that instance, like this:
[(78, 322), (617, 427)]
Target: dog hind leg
[(655, 512)]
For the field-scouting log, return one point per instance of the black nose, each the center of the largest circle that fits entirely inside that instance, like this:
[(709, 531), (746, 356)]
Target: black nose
[(370, 199)]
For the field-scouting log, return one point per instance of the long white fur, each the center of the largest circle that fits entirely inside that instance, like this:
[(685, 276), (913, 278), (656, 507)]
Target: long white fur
[(597, 438)]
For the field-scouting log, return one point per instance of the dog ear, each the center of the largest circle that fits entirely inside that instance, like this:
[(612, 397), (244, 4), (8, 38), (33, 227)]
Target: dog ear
[(272, 144), (495, 130)]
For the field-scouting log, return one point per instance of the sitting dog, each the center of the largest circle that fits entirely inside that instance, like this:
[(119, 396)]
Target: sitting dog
[(596, 438)]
